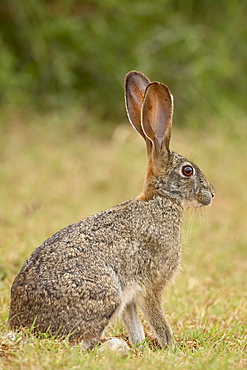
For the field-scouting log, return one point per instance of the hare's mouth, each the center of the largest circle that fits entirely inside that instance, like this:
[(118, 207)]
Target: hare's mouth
[(201, 200), (204, 198)]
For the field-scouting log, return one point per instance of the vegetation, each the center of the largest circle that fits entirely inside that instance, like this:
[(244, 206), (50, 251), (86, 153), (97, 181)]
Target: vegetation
[(78, 52), (62, 68)]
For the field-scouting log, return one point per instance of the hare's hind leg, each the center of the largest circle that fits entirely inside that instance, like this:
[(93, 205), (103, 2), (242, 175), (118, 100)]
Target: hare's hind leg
[(133, 324), (93, 313)]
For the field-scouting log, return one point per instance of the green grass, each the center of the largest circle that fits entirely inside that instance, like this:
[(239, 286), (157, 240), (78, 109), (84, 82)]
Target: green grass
[(53, 173)]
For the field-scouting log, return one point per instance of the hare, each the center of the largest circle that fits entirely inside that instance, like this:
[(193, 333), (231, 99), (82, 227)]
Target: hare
[(110, 263)]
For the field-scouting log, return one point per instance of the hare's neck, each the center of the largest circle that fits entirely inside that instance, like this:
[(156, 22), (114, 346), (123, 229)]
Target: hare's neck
[(169, 208), (148, 191), (169, 213), (153, 185)]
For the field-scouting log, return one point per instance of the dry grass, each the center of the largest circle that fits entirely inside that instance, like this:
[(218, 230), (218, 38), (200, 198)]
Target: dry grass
[(54, 174)]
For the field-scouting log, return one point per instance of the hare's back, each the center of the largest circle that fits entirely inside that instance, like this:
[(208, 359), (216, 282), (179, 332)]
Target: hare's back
[(83, 251), (74, 251), (94, 240)]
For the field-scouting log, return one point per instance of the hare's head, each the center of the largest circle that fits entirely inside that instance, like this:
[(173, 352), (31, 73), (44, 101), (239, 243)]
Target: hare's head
[(150, 109)]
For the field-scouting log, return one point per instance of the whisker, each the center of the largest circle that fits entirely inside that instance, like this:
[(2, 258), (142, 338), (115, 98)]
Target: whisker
[(187, 234)]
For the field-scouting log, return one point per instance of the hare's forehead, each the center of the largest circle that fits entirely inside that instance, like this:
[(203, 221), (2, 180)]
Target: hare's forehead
[(178, 159)]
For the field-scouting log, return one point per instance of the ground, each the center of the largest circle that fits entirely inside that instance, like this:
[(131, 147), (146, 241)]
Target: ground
[(53, 173)]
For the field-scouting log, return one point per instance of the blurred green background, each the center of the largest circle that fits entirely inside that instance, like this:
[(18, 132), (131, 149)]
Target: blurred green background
[(58, 55)]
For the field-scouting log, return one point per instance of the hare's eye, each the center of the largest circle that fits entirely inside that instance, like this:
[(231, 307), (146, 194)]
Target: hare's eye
[(187, 170)]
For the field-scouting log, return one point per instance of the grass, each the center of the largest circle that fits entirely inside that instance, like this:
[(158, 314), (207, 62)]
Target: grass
[(53, 173)]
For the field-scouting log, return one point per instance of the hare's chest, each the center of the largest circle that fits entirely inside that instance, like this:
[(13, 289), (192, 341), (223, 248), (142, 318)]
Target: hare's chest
[(166, 264), (172, 263)]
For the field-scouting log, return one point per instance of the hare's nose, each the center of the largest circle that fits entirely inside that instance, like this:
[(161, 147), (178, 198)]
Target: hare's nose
[(212, 192)]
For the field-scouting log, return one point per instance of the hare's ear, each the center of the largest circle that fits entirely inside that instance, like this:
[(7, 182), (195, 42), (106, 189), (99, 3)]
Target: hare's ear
[(157, 113), (135, 86)]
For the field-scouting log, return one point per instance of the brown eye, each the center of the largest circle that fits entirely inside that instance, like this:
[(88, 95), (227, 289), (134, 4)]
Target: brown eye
[(187, 171)]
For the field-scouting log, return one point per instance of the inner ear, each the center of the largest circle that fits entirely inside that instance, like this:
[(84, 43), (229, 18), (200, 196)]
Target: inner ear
[(135, 87), (157, 114)]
